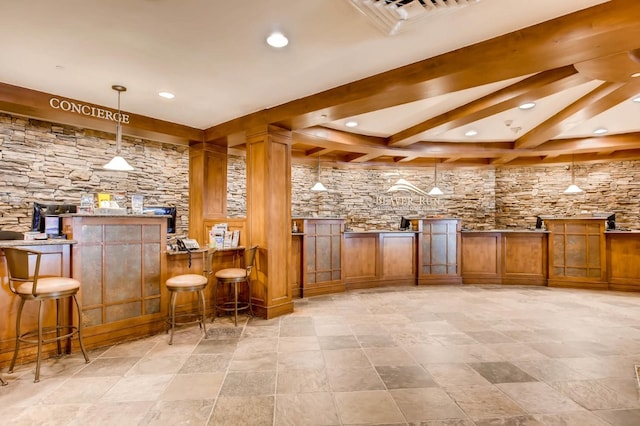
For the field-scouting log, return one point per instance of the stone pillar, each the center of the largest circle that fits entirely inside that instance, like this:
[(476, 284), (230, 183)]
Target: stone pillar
[(207, 187), (269, 217)]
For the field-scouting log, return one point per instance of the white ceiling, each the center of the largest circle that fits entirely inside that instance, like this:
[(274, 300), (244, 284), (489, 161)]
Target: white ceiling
[(212, 55)]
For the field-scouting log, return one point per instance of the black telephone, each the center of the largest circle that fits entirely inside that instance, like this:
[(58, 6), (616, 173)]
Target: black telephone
[(187, 244)]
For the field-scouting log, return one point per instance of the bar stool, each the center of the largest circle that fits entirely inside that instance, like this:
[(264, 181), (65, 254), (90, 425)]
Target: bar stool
[(41, 289), (3, 382), (234, 277), (188, 283)]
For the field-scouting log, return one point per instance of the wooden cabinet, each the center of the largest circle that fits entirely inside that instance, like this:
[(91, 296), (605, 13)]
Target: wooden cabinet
[(481, 257), (504, 257), (623, 260), (438, 251), (577, 256), (321, 248), (378, 258)]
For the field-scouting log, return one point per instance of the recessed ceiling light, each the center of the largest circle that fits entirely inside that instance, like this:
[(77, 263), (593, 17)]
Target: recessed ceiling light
[(636, 99), (527, 105), (351, 123), (277, 39), (635, 74), (600, 131), (166, 95), (471, 133)]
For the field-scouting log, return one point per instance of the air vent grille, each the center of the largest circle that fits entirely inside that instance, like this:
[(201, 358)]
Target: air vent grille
[(393, 16)]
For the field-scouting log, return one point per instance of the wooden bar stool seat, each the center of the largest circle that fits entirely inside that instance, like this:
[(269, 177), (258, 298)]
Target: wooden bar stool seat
[(40, 289), (233, 277), (187, 283)]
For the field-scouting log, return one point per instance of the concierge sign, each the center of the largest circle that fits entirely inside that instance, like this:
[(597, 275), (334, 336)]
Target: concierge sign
[(88, 110)]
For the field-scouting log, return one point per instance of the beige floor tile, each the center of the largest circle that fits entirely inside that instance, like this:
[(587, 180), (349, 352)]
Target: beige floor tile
[(538, 398), (484, 402), (114, 413), (302, 381), (367, 407), (579, 418), (593, 396), (354, 379), (298, 344), (305, 409), (258, 361), (301, 360), (455, 375), (197, 386), (389, 356), (346, 358), (246, 410), (183, 412), (137, 388), (424, 404)]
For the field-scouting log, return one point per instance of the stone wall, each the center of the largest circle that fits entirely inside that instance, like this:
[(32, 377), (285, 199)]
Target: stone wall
[(483, 198), (41, 161), (524, 193)]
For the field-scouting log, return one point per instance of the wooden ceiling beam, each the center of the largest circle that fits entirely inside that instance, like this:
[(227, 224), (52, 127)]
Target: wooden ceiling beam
[(604, 97), (530, 89)]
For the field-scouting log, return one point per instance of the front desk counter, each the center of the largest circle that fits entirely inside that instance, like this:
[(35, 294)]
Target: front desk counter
[(55, 261), (326, 259), (504, 257)]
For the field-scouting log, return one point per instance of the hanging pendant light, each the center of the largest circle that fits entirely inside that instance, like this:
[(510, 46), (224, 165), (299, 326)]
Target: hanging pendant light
[(573, 188), (318, 185), (118, 163), (435, 190)]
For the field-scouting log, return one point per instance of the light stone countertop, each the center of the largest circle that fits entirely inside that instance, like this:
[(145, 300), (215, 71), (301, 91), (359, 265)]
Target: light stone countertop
[(25, 243)]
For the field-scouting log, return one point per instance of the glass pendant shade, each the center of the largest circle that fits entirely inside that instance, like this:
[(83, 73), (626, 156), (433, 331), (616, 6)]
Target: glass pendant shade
[(318, 185), (573, 188), (435, 190), (118, 163)]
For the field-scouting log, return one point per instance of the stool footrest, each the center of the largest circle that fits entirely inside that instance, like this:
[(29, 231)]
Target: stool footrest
[(25, 337)]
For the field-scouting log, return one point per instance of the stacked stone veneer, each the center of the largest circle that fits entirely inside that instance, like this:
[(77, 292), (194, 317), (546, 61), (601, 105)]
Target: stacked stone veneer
[(41, 161), (483, 198)]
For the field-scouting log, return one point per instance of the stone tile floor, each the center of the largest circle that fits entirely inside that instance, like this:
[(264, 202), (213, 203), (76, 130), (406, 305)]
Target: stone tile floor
[(439, 356)]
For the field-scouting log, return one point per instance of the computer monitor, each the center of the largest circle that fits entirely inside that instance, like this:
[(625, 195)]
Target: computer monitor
[(164, 210), (44, 210), (611, 222), (405, 224)]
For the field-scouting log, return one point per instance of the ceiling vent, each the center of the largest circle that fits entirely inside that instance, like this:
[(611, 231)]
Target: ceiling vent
[(393, 16)]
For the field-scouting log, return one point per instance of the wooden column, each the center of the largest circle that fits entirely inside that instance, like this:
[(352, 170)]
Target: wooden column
[(207, 187), (269, 218)]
